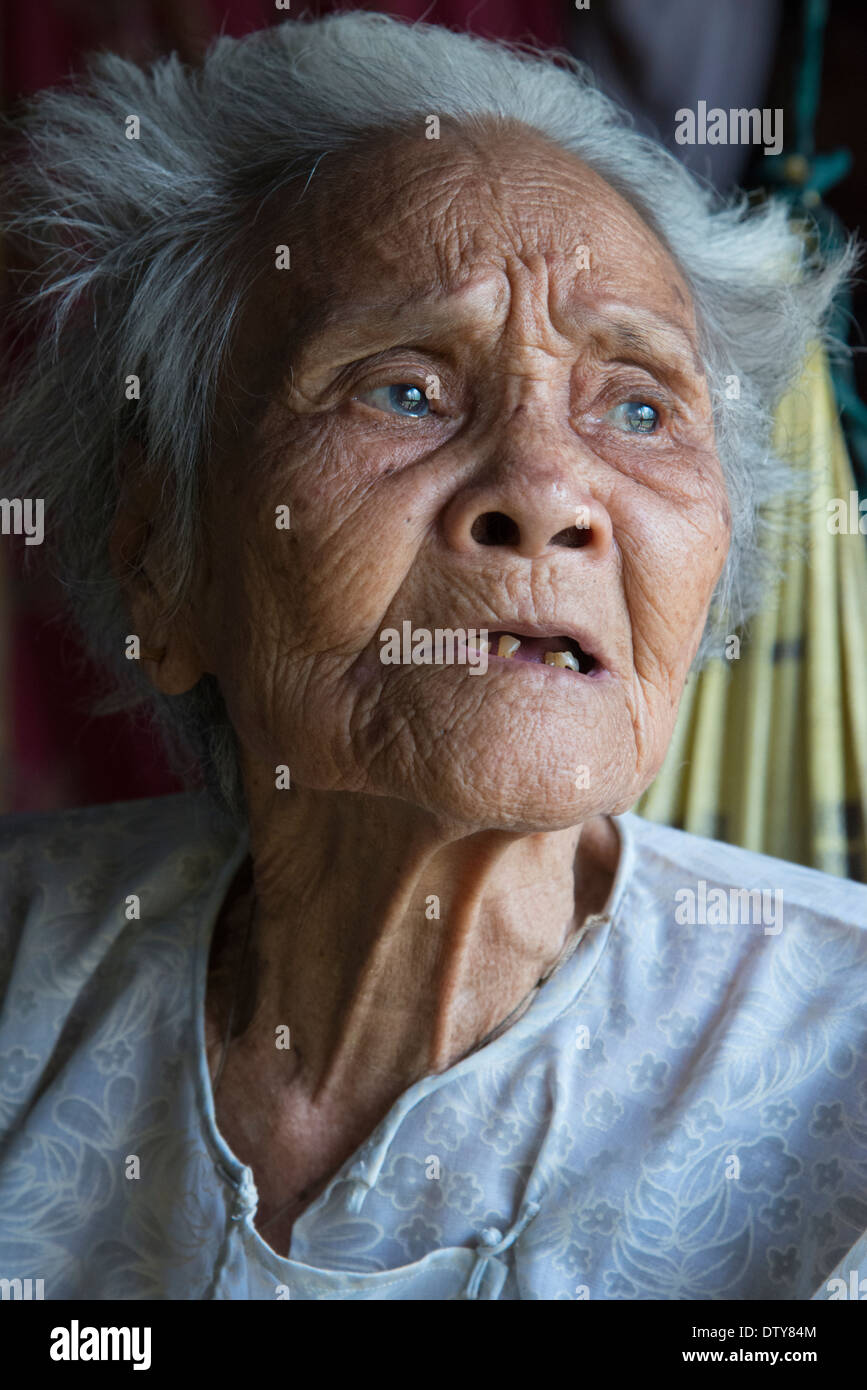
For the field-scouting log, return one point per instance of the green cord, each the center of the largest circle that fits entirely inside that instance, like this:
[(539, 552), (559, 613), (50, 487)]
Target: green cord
[(801, 176)]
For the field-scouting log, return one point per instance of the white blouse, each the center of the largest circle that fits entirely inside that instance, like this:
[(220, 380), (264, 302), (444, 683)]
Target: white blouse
[(681, 1113)]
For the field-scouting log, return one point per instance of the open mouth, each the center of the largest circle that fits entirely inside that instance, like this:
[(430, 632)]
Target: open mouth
[(564, 652)]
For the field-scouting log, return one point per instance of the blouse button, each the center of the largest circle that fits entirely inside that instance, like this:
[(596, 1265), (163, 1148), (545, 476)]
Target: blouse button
[(491, 1236)]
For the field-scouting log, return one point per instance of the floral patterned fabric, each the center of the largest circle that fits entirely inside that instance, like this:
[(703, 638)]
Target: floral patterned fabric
[(680, 1114)]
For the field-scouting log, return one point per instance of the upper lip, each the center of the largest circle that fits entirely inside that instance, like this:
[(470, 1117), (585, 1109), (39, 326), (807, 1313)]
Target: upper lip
[(587, 640)]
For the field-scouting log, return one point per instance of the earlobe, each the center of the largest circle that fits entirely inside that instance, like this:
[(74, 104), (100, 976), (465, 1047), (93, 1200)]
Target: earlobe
[(174, 669), (167, 650), (166, 646)]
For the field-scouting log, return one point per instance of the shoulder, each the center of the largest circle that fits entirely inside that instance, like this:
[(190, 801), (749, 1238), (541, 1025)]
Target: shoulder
[(104, 916), (704, 921), (57, 837), (82, 859), (708, 881), (85, 893)]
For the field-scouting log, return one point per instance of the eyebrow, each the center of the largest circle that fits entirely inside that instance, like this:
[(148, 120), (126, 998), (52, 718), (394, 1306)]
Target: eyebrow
[(639, 341), (629, 335), (421, 317)]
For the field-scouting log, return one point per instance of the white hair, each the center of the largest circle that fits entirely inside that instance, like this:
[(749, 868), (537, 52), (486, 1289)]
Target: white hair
[(141, 267)]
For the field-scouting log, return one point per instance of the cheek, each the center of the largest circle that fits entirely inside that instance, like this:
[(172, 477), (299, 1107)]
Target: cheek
[(346, 550), (673, 552)]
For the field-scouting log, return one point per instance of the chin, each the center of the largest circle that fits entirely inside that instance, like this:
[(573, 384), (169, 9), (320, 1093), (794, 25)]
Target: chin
[(526, 808)]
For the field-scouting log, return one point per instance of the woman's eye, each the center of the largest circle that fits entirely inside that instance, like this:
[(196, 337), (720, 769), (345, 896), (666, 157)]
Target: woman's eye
[(634, 417), (402, 399)]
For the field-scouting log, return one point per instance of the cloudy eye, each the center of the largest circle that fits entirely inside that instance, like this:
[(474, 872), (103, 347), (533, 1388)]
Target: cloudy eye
[(635, 417), (402, 399)]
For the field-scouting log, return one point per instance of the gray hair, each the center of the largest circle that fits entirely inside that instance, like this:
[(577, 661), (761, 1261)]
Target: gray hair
[(138, 249)]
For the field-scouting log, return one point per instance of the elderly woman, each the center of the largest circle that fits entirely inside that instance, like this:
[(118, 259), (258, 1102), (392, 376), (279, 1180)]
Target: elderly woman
[(377, 365)]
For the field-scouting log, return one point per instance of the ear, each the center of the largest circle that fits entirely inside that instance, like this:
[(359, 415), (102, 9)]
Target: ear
[(170, 651)]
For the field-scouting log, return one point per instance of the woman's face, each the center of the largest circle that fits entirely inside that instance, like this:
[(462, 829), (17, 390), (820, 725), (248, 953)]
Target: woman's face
[(560, 476)]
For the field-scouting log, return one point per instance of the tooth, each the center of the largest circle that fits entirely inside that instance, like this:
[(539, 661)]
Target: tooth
[(507, 645), (479, 644), (562, 659)]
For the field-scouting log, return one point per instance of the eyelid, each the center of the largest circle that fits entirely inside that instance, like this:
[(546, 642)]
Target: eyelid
[(388, 366), (669, 375), (637, 383), (657, 402)]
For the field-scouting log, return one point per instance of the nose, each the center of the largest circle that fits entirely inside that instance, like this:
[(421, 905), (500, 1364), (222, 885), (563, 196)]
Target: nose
[(531, 515)]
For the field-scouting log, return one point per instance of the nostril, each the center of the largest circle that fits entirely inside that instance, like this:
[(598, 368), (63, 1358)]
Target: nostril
[(573, 538), (495, 528)]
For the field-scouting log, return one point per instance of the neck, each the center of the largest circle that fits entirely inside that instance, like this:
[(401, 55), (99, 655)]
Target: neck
[(388, 944)]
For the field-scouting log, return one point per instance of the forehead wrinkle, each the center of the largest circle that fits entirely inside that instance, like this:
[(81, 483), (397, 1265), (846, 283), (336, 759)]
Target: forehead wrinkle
[(440, 204), (342, 337), (344, 330), (460, 215)]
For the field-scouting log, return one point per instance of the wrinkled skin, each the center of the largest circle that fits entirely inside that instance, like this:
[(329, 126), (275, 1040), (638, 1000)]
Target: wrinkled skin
[(409, 781)]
